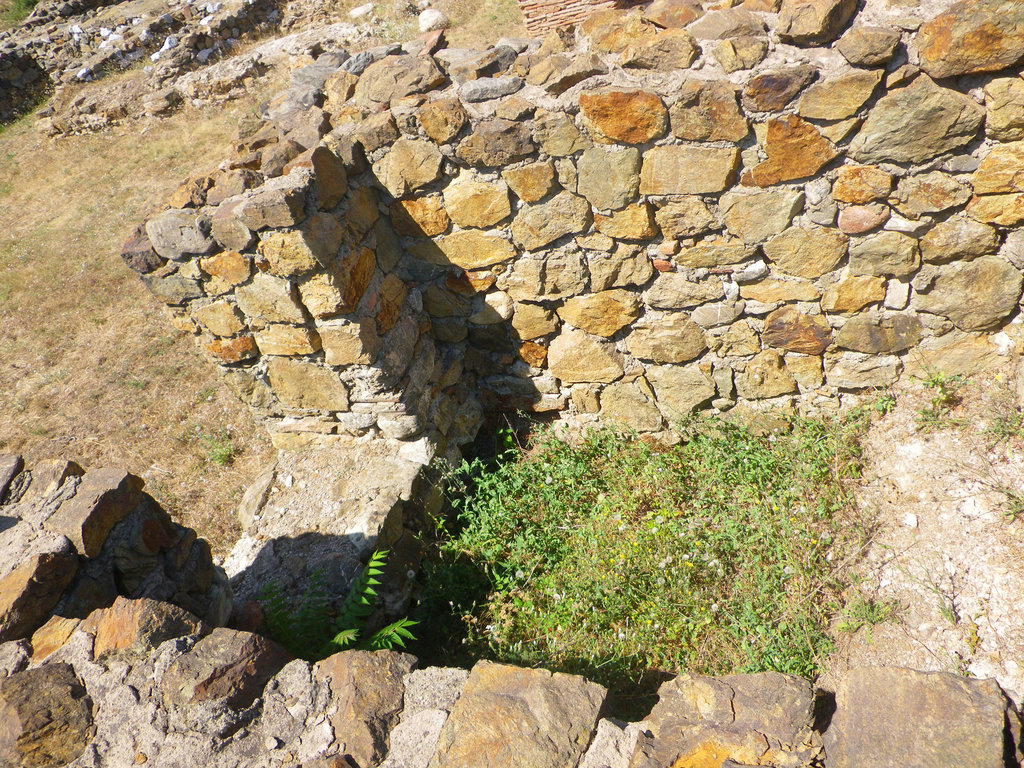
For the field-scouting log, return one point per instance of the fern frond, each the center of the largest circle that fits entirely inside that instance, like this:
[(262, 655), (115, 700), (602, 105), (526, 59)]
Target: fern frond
[(390, 637)]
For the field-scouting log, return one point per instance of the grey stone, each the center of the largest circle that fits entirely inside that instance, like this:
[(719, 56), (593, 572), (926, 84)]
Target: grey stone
[(179, 233), (916, 123), (487, 88), (609, 178)]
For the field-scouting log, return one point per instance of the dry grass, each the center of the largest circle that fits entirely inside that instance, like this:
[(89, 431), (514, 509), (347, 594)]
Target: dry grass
[(475, 23), (90, 367)]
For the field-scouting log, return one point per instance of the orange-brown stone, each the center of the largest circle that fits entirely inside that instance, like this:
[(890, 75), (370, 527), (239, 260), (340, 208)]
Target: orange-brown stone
[(788, 328), (795, 150), (627, 117)]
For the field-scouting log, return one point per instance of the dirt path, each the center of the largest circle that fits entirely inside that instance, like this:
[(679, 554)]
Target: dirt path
[(947, 564)]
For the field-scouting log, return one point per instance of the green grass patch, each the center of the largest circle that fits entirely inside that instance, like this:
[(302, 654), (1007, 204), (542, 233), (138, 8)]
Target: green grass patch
[(621, 560), (16, 10)]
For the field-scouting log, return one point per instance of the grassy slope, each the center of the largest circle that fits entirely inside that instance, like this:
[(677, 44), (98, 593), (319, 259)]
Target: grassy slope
[(90, 367)]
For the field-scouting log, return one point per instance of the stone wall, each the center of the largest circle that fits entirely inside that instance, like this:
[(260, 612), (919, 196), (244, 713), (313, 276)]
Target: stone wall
[(678, 208), (73, 541), (144, 682)]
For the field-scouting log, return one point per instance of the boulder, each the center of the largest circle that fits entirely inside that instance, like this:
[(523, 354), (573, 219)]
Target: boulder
[(1004, 109), (30, 591), (855, 371), (301, 384), (575, 356), (757, 216), (47, 718), (557, 134), (889, 254), (179, 234), (495, 143), (958, 238), (669, 49), (531, 183), (442, 119), (771, 91), (671, 338), (807, 252), (788, 328), (765, 376), (759, 719), (472, 202), (627, 117), (395, 77), (507, 716), (795, 150), (688, 170), (629, 406), (609, 178), (839, 98), (976, 295), (542, 223), (226, 667), (708, 111), (604, 313), (853, 293), (861, 184), (408, 166), (680, 389), (887, 716), (880, 335), (139, 626), (366, 699), (103, 498), (869, 46)]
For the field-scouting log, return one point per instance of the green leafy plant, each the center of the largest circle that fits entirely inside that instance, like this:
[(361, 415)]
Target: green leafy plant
[(884, 404), (865, 613), (310, 629), (220, 449), (616, 558), (945, 397)]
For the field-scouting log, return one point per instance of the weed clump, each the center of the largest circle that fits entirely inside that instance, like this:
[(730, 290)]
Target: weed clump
[(619, 559)]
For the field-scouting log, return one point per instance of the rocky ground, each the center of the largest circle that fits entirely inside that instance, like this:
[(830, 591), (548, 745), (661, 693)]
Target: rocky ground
[(946, 566)]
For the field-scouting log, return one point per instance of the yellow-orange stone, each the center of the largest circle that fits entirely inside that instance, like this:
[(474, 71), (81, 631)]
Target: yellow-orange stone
[(627, 117)]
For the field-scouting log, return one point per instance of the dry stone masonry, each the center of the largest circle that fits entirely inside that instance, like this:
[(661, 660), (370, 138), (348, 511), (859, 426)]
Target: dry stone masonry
[(73, 541), (145, 682), (759, 207)]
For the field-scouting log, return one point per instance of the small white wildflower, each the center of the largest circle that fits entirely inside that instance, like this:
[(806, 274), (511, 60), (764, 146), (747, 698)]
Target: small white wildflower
[(519, 574)]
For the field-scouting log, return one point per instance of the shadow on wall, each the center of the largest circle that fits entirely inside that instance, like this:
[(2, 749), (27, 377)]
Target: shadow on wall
[(22, 84)]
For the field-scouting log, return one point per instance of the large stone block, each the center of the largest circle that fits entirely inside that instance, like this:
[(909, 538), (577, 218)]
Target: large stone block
[(519, 718), (46, 718), (627, 117), (29, 592), (887, 716), (366, 699), (575, 356), (972, 36), (226, 667), (916, 123), (300, 384), (609, 178), (976, 295), (104, 497), (688, 170)]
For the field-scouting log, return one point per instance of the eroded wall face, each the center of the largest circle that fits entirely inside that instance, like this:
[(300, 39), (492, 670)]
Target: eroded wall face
[(656, 220)]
